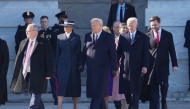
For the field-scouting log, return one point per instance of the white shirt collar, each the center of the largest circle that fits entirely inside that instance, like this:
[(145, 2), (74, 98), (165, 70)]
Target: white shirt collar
[(68, 34), (133, 33), (98, 34), (159, 33)]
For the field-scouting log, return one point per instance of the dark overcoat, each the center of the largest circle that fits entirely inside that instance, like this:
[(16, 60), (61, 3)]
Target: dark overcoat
[(97, 57), (68, 59), (134, 56), (129, 12), (41, 66), (4, 63), (159, 69), (187, 35)]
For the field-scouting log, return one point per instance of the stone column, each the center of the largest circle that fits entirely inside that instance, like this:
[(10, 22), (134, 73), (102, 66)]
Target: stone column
[(173, 14), (11, 16)]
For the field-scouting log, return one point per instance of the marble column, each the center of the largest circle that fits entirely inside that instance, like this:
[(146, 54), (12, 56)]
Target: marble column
[(11, 16), (173, 14)]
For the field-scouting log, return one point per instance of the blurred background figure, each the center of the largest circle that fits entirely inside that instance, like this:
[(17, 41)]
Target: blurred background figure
[(120, 12), (57, 28), (21, 31), (122, 28), (4, 63)]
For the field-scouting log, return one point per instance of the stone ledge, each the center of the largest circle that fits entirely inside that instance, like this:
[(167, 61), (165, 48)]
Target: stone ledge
[(87, 1)]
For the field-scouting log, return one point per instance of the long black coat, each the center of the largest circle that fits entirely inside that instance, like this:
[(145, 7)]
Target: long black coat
[(97, 57), (129, 12), (187, 34), (159, 68), (41, 66), (134, 56), (4, 63), (68, 59)]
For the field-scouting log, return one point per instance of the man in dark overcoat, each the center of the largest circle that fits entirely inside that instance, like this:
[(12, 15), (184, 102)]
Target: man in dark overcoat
[(99, 50), (4, 63), (120, 11), (20, 33), (133, 51), (161, 47), (33, 67), (187, 45)]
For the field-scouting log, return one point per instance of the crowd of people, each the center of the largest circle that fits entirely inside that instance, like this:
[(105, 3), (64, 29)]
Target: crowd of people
[(123, 64)]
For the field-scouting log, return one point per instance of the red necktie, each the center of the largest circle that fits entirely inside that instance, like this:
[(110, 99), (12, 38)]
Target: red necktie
[(157, 38), (27, 57)]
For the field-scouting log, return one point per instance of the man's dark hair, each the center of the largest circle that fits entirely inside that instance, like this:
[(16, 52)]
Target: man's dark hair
[(44, 17), (153, 18)]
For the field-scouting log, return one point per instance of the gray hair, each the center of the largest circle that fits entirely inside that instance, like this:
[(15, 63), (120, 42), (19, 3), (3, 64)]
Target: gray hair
[(34, 26), (97, 20), (132, 19)]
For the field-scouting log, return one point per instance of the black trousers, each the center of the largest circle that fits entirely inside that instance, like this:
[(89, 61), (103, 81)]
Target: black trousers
[(189, 66), (97, 103), (154, 95), (133, 100)]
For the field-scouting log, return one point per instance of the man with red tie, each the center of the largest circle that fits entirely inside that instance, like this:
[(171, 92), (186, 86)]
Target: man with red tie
[(33, 67), (161, 46)]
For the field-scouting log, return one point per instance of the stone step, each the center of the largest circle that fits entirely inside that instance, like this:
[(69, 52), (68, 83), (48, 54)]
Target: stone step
[(87, 1), (47, 98)]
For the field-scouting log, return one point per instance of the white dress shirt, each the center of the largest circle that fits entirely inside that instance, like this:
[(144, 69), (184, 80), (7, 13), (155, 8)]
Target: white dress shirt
[(118, 11), (28, 65), (134, 33), (98, 35)]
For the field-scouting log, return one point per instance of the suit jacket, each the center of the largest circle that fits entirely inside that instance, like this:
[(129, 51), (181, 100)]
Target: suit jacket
[(159, 58), (129, 12), (134, 56), (50, 36), (41, 66), (187, 34), (97, 57)]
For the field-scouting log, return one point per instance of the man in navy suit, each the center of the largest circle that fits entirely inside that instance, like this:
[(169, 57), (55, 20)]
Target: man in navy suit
[(99, 50)]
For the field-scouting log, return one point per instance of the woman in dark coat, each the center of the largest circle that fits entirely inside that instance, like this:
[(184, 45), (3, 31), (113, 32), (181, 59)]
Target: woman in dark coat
[(68, 64), (4, 63)]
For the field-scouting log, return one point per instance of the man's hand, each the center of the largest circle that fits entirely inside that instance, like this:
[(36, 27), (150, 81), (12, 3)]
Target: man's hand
[(48, 78), (144, 70), (175, 68), (113, 73), (80, 68)]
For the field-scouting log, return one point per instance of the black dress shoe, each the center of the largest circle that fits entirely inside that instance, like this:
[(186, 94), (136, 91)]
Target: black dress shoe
[(55, 102), (130, 106), (164, 106)]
